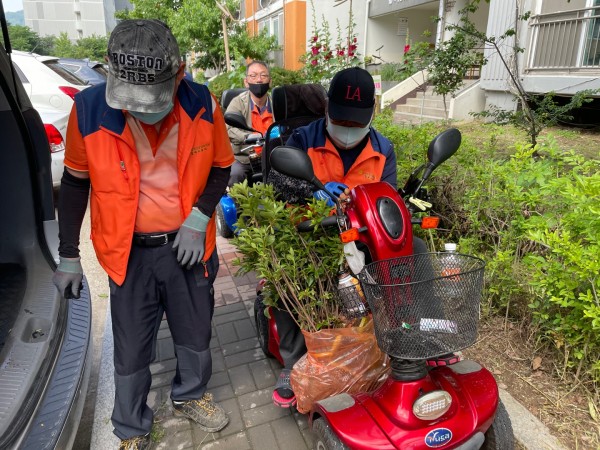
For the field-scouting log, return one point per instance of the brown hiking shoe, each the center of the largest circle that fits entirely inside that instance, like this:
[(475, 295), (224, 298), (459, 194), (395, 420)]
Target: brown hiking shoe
[(136, 443), (206, 413)]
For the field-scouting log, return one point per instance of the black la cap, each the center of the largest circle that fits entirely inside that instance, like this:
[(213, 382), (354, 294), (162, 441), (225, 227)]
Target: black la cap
[(352, 96)]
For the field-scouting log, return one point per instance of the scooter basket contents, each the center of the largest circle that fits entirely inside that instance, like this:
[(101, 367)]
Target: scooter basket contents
[(351, 299), (423, 305), (338, 360)]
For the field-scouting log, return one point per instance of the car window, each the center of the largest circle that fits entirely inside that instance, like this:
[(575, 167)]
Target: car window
[(100, 69), (72, 67), (20, 73), (65, 73)]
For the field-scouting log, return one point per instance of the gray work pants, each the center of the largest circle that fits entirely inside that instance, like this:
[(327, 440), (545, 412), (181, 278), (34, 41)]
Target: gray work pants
[(156, 283)]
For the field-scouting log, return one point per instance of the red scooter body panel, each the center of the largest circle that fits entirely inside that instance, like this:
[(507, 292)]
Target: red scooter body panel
[(384, 418), (273, 342), (362, 212)]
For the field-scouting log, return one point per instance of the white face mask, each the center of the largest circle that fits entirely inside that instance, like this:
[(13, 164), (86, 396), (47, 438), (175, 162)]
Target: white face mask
[(346, 137)]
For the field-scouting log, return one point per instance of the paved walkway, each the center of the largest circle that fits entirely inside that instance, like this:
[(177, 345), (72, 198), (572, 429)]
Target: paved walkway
[(242, 381)]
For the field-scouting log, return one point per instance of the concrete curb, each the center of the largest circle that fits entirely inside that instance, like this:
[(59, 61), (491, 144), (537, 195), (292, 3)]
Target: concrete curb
[(102, 435), (529, 431)]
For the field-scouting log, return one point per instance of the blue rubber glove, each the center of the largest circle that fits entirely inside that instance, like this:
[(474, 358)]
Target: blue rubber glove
[(335, 187), (189, 241), (68, 276)]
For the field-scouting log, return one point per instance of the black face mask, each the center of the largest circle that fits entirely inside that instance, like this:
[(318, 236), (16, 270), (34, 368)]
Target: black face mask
[(259, 89)]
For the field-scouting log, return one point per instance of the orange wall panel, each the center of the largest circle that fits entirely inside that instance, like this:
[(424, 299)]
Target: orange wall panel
[(295, 33)]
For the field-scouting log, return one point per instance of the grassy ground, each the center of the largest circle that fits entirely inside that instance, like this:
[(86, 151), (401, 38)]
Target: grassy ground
[(586, 142)]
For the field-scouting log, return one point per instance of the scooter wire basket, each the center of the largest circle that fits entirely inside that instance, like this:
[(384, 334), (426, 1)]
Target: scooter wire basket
[(424, 305)]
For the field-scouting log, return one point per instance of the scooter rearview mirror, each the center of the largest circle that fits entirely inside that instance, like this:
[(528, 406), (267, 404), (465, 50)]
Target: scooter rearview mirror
[(443, 146), (236, 120), (294, 163)]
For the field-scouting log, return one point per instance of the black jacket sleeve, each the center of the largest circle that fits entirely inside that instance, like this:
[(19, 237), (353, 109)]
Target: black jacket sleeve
[(72, 203), (214, 190)]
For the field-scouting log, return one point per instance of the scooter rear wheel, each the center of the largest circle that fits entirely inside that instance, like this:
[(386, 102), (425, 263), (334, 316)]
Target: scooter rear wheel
[(262, 325), (326, 438), (500, 435), (222, 228)]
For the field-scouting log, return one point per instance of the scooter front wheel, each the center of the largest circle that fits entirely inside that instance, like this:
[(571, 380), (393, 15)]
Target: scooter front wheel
[(500, 435), (326, 438)]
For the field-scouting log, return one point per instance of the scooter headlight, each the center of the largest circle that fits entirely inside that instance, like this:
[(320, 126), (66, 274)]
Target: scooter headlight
[(432, 405)]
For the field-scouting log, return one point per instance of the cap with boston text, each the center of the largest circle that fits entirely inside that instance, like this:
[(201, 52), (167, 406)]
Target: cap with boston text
[(143, 60), (352, 96)]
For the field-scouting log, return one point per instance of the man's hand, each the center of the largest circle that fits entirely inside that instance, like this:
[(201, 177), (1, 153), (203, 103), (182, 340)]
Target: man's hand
[(189, 241), (68, 276), (339, 190)]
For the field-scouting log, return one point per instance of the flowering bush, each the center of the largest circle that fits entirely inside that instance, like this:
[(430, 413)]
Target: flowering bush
[(324, 58)]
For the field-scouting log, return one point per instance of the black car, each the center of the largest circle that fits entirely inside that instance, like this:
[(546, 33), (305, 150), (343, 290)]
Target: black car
[(45, 352)]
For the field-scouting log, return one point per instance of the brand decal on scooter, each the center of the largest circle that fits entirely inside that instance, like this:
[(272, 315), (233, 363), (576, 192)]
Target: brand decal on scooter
[(438, 437)]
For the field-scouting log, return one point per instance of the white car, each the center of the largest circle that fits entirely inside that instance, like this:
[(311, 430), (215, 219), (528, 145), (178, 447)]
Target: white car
[(55, 123), (48, 84)]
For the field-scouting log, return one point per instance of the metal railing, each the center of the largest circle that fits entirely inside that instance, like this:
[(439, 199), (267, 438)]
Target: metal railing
[(566, 40)]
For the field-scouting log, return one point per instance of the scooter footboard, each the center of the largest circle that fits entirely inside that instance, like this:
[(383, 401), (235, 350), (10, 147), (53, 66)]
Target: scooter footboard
[(385, 419)]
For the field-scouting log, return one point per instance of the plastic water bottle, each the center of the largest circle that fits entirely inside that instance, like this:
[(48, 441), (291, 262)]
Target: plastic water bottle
[(449, 292), (451, 273)]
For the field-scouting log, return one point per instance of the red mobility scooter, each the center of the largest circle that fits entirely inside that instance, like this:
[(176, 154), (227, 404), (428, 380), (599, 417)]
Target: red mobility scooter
[(425, 307)]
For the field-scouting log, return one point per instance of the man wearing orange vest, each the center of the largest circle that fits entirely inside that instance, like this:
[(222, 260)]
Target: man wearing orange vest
[(155, 151), (345, 151), (255, 106)]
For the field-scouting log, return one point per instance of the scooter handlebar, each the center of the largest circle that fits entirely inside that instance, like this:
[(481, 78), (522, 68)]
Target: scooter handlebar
[(306, 225)]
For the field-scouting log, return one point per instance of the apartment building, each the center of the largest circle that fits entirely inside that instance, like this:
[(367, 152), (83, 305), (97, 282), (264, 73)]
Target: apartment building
[(77, 18)]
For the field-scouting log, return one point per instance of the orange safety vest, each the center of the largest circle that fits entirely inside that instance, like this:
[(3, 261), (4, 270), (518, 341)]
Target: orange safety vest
[(328, 165), (114, 167)]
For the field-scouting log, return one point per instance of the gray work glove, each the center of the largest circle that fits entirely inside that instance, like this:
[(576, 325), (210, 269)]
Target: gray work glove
[(68, 276), (189, 241)]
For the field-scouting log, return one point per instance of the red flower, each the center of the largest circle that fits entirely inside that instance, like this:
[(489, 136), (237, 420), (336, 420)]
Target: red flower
[(328, 56), (352, 48), (354, 40), (340, 52), (406, 48), (314, 62), (314, 38), (350, 54), (315, 50)]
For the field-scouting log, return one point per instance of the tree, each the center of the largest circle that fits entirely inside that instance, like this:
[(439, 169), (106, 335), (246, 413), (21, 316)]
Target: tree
[(63, 47), (25, 39), (92, 47), (197, 26), (533, 113)]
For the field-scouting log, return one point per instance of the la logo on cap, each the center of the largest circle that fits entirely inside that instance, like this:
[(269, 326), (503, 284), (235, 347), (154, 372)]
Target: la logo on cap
[(353, 96)]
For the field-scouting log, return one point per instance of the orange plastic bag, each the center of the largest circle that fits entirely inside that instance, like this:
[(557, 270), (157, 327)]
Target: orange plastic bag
[(338, 360)]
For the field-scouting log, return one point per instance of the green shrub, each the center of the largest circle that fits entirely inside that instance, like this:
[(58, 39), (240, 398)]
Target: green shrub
[(300, 268), (392, 72), (532, 214)]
